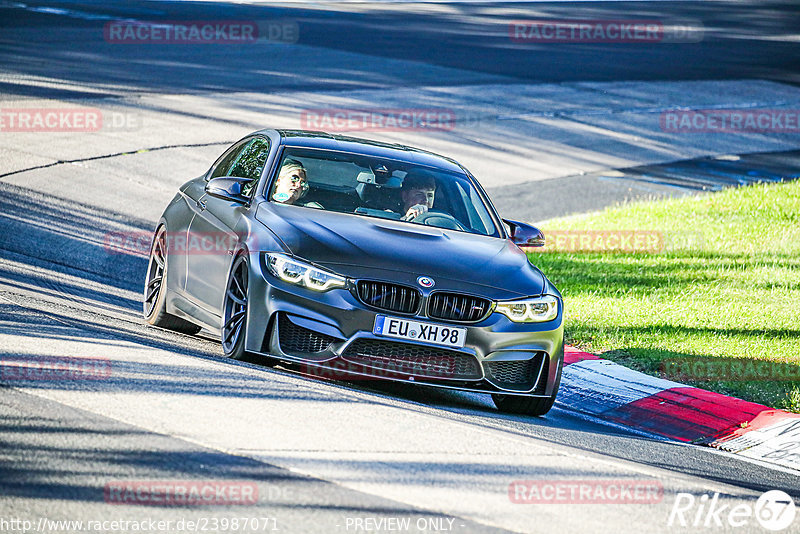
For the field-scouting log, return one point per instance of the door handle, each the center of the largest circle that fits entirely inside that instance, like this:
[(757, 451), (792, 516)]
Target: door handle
[(201, 204)]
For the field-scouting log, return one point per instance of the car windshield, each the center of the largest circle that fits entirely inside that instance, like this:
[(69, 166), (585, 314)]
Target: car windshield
[(383, 188)]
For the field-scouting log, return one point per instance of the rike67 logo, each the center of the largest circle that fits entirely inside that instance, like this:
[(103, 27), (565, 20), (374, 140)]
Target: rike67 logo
[(774, 510)]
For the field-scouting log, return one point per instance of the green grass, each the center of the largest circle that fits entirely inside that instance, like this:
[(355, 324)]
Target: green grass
[(727, 285)]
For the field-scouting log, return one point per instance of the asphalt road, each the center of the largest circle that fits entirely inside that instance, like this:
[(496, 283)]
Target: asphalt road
[(324, 454), (725, 40)]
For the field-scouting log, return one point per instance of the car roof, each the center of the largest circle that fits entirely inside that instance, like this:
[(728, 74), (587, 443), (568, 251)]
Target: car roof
[(343, 143)]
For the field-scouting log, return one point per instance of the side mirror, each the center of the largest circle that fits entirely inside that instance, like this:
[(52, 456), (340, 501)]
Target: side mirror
[(228, 188), (525, 235)]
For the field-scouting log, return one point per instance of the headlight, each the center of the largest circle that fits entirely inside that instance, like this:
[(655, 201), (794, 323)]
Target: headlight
[(302, 274), (534, 310)]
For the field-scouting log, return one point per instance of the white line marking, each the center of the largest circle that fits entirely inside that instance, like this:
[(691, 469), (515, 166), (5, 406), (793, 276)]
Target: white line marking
[(598, 386)]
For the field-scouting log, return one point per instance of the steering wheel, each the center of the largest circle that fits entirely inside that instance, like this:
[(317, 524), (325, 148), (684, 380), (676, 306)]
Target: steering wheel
[(439, 219)]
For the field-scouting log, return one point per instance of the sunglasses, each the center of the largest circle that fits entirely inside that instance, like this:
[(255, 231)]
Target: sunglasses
[(297, 179)]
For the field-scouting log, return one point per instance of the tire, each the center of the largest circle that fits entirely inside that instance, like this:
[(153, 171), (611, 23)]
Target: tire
[(155, 294), (234, 316), (536, 406)]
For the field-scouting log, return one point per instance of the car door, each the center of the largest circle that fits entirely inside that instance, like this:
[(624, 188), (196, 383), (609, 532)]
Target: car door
[(193, 192), (212, 240)]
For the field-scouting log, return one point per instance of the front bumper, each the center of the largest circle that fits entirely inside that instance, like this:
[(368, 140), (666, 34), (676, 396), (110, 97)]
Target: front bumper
[(330, 335)]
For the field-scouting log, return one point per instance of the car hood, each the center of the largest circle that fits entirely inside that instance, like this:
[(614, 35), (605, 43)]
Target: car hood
[(367, 247)]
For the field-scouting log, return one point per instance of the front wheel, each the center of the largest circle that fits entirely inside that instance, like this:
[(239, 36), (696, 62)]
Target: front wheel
[(234, 318), (536, 406)]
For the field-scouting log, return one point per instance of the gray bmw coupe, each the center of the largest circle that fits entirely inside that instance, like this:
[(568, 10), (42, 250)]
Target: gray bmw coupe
[(350, 257)]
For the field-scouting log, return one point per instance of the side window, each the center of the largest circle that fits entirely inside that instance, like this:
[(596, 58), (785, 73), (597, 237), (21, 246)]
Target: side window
[(251, 160), (250, 163), (226, 161)]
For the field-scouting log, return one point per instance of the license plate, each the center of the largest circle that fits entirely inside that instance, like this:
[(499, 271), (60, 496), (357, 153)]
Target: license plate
[(437, 334)]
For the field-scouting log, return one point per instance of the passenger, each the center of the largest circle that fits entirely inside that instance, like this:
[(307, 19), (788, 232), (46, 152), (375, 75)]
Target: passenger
[(292, 184), (417, 194)]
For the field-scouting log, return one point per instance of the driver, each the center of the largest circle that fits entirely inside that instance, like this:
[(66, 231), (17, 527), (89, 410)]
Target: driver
[(417, 194)]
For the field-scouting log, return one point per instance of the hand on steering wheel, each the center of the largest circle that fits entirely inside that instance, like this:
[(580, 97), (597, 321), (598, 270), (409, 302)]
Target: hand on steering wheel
[(415, 211), (439, 219)]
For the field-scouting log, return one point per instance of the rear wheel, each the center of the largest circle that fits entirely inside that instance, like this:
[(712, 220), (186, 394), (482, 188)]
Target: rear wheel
[(155, 289), (537, 406)]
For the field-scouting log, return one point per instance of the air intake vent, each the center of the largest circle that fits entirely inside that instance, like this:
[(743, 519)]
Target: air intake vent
[(295, 339), (416, 360), (518, 375), (455, 307), (389, 297), (511, 373)]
